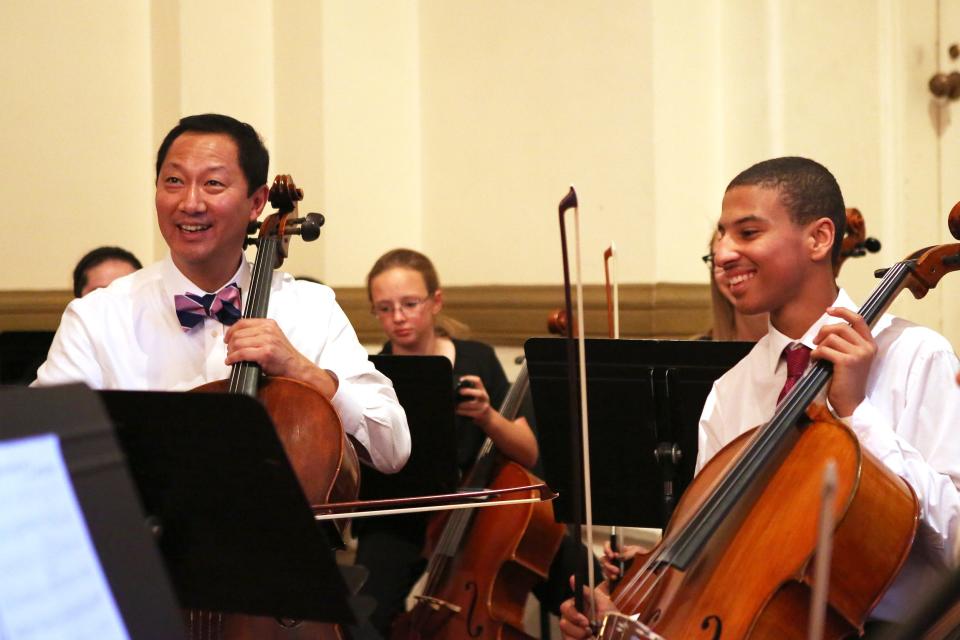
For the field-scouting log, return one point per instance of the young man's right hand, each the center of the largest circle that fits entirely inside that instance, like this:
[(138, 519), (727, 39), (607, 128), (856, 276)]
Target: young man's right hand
[(573, 624)]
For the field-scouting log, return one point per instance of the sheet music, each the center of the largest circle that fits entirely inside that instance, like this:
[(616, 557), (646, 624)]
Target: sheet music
[(51, 583)]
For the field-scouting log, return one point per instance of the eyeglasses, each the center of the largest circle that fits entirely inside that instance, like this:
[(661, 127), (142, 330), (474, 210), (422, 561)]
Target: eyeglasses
[(711, 262), (408, 307)]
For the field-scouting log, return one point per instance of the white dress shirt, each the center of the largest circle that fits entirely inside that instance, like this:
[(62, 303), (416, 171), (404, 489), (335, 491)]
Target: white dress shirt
[(127, 336), (909, 420)]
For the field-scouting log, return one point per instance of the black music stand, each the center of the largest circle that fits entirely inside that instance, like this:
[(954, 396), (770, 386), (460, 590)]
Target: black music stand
[(105, 493), (233, 524), (424, 386), (21, 354), (645, 398)]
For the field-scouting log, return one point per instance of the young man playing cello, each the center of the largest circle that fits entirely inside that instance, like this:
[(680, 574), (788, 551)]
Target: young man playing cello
[(136, 333), (779, 232)]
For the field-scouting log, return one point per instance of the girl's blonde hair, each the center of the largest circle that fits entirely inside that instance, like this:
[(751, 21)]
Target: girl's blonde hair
[(724, 322)]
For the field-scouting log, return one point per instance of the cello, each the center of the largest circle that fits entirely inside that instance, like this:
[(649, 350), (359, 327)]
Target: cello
[(323, 458), (750, 515), (482, 566)]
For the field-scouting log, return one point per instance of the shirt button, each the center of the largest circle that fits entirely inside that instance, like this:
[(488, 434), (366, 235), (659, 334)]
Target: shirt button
[(213, 334)]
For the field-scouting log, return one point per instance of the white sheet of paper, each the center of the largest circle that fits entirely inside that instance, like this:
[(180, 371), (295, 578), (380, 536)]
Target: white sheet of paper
[(51, 583)]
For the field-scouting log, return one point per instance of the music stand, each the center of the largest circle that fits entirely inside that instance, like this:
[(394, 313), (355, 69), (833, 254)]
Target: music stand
[(643, 396), (104, 490), (21, 354), (424, 386), (234, 526)]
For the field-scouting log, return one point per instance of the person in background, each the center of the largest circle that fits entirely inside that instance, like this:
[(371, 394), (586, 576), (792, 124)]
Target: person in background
[(728, 323), (405, 296), (100, 267), (22, 352)]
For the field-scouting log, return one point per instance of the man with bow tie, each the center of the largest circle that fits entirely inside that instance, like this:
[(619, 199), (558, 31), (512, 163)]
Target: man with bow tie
[(176, 324)]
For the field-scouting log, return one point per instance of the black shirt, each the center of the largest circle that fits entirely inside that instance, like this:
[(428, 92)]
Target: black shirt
[(476, 359)]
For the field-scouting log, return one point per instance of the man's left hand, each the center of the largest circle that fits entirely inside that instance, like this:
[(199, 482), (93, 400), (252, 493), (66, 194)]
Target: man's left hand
[(851, 348), (260, 340)]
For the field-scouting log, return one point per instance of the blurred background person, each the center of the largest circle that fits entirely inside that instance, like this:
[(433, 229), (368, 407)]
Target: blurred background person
[(728, 323), (22, 352), (100, 267), (406, 298)]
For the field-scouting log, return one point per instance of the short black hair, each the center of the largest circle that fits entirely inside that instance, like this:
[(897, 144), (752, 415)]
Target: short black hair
[(807, 189), (252, 155), (96, 257)]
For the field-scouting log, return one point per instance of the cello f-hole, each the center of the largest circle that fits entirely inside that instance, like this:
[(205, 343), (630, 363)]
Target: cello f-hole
[(472, 588), (705, 625)]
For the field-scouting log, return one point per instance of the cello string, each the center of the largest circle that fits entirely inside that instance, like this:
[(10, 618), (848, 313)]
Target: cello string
[(238, 375)]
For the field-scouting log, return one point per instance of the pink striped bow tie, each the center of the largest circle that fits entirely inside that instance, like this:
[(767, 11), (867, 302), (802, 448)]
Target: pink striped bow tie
[(224, 306)]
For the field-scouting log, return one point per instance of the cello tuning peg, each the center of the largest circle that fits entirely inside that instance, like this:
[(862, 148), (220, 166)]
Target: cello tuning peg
[(251, 242), (310, 226), (253, 227), (872, 245)]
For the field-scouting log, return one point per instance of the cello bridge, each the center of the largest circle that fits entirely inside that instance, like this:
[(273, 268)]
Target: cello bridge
[(436, 603)]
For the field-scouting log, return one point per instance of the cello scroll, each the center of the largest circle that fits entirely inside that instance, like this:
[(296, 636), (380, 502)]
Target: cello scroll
[(284, 196), (855, 242)]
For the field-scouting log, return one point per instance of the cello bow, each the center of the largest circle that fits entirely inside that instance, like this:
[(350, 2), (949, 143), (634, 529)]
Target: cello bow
[(612, 288), (579, 422)]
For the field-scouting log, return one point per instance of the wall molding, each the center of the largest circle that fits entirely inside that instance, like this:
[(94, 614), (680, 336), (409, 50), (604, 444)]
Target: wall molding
[(498, 314), (32, 310)]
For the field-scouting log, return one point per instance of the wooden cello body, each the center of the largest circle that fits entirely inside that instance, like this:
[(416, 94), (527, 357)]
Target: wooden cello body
[(322, 457), (483, 565), (482, 588), (754, 579)]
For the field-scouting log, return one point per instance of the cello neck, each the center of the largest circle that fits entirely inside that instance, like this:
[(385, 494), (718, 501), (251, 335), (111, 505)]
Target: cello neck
[(245, 376), (272, 245), (482, 470)]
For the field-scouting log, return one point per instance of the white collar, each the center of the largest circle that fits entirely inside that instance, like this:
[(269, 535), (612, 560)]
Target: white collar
[(776, 342), (174, 282)]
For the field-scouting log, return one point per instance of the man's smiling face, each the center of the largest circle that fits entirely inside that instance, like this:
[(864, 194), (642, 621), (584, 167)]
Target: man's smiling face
[(203, 207)]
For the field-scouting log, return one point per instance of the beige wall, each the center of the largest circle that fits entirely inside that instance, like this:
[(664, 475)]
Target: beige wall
[(520, 99), (456, 126), (75, 135)]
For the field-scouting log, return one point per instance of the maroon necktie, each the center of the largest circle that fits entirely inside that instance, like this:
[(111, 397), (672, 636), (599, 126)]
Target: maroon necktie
[(797, 360)]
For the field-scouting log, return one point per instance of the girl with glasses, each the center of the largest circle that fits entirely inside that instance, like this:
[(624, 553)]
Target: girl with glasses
[(406, 299), (728, 323)]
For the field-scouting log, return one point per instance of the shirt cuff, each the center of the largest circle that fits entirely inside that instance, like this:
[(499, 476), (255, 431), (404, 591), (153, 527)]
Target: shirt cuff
[(382, 432)]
